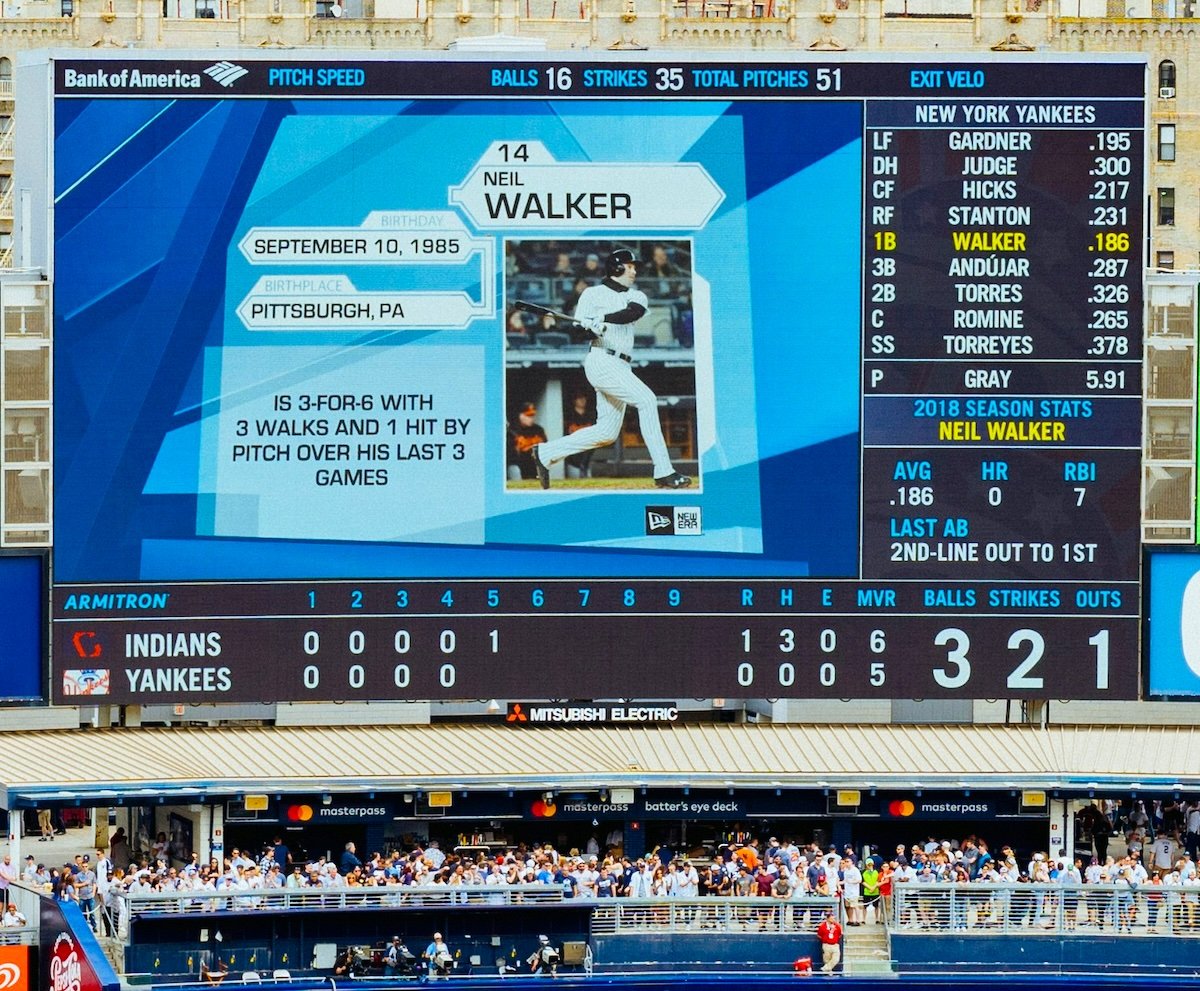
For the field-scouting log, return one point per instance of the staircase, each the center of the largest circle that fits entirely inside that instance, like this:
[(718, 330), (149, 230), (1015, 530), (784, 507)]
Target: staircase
[(865, 951), (114, 950)]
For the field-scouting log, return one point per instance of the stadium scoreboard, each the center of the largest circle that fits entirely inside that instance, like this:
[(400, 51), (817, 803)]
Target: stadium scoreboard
[(893, 333)]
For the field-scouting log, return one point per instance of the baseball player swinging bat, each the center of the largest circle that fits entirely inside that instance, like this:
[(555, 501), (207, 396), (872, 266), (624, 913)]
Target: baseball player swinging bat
[(542, 311), (610, 311)]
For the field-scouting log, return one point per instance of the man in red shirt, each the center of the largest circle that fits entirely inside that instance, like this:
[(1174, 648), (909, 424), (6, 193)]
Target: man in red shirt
[(830, 935)]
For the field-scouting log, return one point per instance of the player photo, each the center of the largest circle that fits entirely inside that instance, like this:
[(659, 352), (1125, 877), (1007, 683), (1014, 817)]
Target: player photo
[(600, 370)]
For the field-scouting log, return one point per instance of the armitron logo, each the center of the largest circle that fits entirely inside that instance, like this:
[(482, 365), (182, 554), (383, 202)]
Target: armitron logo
[(901, 808), (299, 813), (516, 714), (226, 73)]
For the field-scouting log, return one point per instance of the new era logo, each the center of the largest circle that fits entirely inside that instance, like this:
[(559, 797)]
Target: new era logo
[(673, 521), (226, 73)]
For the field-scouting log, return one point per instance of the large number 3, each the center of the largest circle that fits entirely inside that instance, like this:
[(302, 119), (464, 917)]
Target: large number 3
[(957, 655)]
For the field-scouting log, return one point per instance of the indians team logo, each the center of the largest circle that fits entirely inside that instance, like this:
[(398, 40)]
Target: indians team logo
[(66, 971)]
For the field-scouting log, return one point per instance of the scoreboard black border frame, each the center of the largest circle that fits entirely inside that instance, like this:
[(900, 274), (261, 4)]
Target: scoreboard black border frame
[(578, 637)]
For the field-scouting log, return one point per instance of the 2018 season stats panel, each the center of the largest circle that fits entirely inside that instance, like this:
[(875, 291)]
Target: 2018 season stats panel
[(887, 321)]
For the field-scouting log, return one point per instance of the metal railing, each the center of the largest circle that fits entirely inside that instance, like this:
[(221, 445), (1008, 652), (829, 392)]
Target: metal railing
[(1000, 909), (325, 899), (768, 916), (18, 935)]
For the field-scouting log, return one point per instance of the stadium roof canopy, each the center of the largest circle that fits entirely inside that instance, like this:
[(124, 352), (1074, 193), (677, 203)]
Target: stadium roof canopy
[(102, 767)]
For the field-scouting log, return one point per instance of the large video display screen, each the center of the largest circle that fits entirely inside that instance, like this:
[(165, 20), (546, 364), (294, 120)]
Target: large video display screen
[(445, 378)]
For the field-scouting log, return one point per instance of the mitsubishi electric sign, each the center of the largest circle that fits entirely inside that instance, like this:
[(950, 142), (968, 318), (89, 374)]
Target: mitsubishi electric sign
[(585, 713)]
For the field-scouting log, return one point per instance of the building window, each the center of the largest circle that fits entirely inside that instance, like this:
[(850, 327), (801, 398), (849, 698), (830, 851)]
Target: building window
[(1166, 142), (1166, 206), (206, 9), (1165, 261), (1166, 79)]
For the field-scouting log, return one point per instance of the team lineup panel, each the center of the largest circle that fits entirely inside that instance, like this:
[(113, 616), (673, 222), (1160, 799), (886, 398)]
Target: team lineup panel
[(916, 294)]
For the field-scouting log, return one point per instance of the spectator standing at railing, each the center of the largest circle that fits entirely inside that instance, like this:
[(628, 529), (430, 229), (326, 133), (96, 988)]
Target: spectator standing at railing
[(1154, 901), (852, 881), (638, 882), (1069, 875), (1126, 906), (8, 874), (1190, 886), (118, 848), (85, 889), (349, 859), (1164, 852), (870, 890), (748, 855), (13, 917), (104, 873), (65, 892), (830, 935), (687, 885), (567, 883), (1173, 900)]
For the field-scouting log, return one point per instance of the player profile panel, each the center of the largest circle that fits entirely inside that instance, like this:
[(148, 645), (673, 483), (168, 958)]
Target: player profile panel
[(414, 414), (353, 384)]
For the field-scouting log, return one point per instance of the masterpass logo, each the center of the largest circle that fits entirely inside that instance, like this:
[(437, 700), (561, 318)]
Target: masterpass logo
[(226, 73)]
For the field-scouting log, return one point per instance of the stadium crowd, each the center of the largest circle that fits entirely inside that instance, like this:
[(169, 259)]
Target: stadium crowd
[(1150, 869)]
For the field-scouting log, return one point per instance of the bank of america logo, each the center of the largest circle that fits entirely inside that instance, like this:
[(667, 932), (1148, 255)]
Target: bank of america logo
[(226, 73)]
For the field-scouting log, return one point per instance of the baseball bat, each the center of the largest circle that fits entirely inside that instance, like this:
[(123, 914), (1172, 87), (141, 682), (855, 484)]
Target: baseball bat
[(540, 310)]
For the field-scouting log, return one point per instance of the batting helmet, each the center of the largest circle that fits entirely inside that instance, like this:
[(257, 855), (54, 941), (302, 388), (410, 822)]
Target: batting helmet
[(617, 260)]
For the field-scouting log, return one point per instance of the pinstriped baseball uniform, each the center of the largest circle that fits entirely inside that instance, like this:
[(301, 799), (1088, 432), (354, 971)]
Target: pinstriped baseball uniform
[(613, 379)]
